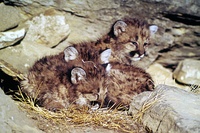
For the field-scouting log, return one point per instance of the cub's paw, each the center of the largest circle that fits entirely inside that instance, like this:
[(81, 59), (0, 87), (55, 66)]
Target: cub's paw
[(54, 106)]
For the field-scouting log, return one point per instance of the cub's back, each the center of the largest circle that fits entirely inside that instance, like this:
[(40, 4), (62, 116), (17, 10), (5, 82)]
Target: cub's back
[(125, 82)]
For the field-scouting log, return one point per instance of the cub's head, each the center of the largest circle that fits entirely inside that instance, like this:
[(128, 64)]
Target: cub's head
[(89, 79), (90, 82), (131, 38)]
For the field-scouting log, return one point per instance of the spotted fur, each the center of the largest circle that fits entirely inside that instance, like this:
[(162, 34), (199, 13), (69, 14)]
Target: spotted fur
[(50, 79), (125, 82), (56, 83), (128, 39)]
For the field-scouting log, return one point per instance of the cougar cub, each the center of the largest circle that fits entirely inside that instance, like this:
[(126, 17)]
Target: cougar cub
[(128, 40), (60, 80)]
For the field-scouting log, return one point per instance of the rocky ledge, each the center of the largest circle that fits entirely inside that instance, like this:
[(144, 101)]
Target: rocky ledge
[(168, 109)]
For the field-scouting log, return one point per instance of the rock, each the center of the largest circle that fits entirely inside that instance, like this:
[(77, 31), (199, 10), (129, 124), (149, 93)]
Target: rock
[(11, 37), (170, 57), (10, 71), (168, 109), (163, 75), (187, 6), (44, 32), (188, 72), (178, 31), (12, 119), (10, 17), (49, 29)]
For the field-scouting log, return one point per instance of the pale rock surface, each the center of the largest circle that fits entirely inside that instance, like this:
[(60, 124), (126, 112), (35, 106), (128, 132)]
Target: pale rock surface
[(48, 28), (11, 37), (188, 72), (171, 110), (12, 119), (44, 31), (162, 75), (9, 16)]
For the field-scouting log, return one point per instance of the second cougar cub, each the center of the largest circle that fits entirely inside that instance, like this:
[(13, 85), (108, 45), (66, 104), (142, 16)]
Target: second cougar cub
[(123, 81)]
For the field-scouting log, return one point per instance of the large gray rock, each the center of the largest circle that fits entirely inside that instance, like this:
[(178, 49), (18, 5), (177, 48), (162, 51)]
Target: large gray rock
[(168, 109), (9, 16), (14, 120), (188, 72)]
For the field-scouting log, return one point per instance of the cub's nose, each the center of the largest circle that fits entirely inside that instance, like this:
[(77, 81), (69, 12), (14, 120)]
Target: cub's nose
[(141, 52)]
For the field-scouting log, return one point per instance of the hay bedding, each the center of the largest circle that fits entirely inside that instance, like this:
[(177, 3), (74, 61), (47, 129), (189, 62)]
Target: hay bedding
[(76, 117)]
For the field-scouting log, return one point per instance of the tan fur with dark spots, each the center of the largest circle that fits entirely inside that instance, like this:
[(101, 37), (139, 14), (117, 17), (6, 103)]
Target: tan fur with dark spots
[(127, 46), (49, 81), (125, 82), (50, 76)]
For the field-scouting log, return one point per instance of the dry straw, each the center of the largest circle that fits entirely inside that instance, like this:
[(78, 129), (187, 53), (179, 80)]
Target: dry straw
[(150, 101), (83, 116)]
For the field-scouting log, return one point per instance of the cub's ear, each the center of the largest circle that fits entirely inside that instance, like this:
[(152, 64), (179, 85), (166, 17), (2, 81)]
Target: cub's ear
[(153, 29), (119, 27), (77, 75), (105, 55), (70, 53)]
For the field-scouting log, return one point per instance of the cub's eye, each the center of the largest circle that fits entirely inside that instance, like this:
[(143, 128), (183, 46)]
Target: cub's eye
[(134, 43)]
